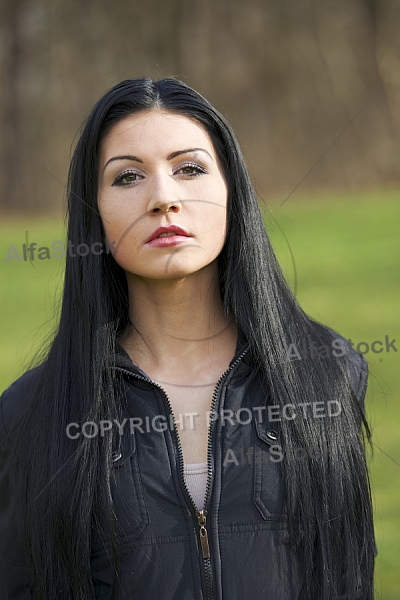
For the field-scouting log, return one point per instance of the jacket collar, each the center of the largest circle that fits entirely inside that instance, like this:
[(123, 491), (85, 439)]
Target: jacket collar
[(124, 361)]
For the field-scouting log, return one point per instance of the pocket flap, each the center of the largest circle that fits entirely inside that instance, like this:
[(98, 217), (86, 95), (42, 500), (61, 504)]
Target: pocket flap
[(269, 432), (124, 445)]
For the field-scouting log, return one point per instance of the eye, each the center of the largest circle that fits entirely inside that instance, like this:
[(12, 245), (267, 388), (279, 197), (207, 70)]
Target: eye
[(127, 178), (190, 170)]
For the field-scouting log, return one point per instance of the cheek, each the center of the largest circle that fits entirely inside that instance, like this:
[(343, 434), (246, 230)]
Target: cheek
[(121, 223), (216, 213), (213, 226)]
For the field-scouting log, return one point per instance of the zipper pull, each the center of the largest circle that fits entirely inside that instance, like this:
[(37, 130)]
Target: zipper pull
[(205, 548)]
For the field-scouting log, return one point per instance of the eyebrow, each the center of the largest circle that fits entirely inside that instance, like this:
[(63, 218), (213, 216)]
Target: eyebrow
[(169, 157)]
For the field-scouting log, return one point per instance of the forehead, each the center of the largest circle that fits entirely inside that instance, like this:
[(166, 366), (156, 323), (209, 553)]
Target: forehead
[(155, 131)]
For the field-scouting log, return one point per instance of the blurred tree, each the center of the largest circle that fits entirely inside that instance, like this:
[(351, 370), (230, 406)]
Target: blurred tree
[(291, 76), (12, 43)]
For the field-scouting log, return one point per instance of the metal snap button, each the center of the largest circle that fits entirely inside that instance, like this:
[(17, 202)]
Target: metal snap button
[(115, 456), (272, 435)]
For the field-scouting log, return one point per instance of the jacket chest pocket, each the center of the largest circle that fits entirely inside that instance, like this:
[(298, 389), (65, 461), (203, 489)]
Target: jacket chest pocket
[(127, 494), (268, 494)]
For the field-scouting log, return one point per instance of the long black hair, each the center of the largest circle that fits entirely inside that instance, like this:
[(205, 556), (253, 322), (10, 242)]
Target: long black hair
[(64, 483)]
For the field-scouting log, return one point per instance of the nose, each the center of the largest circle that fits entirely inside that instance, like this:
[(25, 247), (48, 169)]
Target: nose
[(163, 195)]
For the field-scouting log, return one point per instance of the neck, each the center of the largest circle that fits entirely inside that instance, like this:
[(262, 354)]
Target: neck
[(178, 323)]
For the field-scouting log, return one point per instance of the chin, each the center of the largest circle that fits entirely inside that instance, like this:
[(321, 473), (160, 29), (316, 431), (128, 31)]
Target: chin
[(169, 270)]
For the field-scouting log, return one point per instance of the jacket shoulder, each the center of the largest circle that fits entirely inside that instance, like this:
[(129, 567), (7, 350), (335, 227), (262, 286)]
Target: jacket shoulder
[(359, 375), (16, 397), (15, 574), (357, 365)]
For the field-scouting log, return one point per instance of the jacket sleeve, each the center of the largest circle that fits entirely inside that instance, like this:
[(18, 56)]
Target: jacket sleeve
[(361, 393), (15, 577), (360, 382)]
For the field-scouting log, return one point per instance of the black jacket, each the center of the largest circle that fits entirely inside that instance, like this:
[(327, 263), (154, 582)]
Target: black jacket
[(241, 551)]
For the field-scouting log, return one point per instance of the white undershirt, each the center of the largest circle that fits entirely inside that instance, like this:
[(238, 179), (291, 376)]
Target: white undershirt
[(196, 480)]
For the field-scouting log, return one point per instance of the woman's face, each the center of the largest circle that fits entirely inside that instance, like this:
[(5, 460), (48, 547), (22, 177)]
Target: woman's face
[(160, 169)]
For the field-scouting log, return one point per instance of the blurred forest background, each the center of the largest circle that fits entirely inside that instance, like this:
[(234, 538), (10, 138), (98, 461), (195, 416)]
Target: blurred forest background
[(290, 76), (312, 88)]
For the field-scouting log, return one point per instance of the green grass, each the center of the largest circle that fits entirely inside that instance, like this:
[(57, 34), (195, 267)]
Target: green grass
[(346, 252), (28, 293), (346, 255)]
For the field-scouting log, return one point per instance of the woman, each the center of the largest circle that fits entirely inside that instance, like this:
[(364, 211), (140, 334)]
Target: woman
[(181, 350)]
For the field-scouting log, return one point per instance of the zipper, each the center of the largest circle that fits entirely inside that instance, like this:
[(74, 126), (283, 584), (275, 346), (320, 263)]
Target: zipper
[(201, 515)]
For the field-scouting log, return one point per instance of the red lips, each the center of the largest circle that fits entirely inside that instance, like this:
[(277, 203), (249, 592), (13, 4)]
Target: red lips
[(168, 229)]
